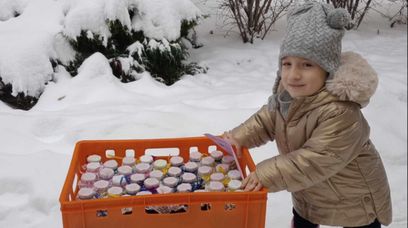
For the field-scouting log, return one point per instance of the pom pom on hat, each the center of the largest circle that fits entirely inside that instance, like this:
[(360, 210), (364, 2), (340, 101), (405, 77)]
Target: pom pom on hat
[(339, 18)]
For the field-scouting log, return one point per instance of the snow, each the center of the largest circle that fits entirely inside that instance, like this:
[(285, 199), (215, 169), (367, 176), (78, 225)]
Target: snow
[(37, 145)]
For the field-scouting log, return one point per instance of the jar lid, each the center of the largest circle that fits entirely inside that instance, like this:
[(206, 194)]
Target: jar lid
[(188, 177), (125, 170), (215, 186), (106, 173), (143, 193), (170, 181), (216, 154), (234, 174), (132, 188), (174, 171), (164, 189), (159, 164), (156, 174), (184, 187), (200, 190), (217, 177), (101, 184), (222, 168), (150, 183), (176, 161), (195, 156), (142, 168), (88, 177), (146, 158), (204, 170), (137, 177), (86, 193), (234, 185), (92, 167), (93, 158), (119, 180), (115, 191), (228, 159), (112, 164), (191, 166), (208, 161), (129, 161)]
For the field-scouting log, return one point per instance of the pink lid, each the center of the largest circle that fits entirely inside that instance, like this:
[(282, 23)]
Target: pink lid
[(146, 158), (132, 189), (184, 187), (143, 193), (228, 159), (195, 156), (164, 189), (137, 177), (125, 170), (118, 180), (188, 177), (217, 177), (93, 158), (159, 164), (150, 183), (215, 186), (92, 167), (191, 166), (88, 177), (234, 174), (106, 173), (112, 164), (101, 185), (217, 155), (170, 181), (222, 168), (142, 168), (156, 174), (86, 193), (176, 161), (129, 161), (208, 161), (174, 171), (204, 170), (115, 191)]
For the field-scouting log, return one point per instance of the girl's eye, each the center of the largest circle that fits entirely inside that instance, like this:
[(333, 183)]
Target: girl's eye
[(286, 64), (307, 65)]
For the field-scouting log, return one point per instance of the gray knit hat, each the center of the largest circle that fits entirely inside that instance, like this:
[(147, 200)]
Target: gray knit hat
[(314, 31)]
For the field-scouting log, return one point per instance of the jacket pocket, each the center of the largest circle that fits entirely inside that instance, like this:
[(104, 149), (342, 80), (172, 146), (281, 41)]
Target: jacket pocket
[(335, 190)]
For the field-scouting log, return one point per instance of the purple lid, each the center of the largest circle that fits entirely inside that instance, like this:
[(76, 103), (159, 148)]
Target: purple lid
[(174, 171), (150, 183), (137, 178)]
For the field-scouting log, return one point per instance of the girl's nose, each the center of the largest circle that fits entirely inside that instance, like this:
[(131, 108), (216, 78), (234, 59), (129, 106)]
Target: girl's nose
[(294, 73)]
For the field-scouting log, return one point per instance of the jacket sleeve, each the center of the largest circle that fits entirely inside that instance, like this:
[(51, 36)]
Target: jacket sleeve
[(257, 130), (334, 143)]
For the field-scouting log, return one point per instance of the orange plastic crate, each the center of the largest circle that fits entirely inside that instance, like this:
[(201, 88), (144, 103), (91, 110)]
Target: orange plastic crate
[(204, 210)]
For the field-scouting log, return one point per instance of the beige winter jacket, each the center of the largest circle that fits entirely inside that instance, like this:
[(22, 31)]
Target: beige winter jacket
[(326, 158)]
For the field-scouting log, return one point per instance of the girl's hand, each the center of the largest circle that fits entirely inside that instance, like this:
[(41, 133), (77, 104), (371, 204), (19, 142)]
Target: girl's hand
[(228, 137), (251, 183)]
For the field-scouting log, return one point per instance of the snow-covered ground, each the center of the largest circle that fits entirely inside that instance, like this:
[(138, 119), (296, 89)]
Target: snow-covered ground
[(36, 145)]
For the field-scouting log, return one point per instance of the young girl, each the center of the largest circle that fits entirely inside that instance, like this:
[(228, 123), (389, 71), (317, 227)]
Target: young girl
[(326, 159)]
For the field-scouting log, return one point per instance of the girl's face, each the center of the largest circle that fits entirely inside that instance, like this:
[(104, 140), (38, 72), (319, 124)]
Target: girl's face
[(302, 77)]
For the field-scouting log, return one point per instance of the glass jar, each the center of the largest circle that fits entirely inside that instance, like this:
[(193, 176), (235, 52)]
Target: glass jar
[(195, 156), (191, 167), (87, 180), (142, 168), (101, 188), (106, 173), (119, 180), (132, 189), (151, 183), (184, 187), (156, 174), (146, 159), (215, 186), (111, 164), (115, 191), (217, 177), (234, 185), (188, 177), (234, 174), (176, 161), (128, 161), (222, 168), (174, 172), (94, 158), (171, 181), (93, 167), (125, 170), (217, 155), (208, 161), (138, 178), (86, 194), (160, 164)]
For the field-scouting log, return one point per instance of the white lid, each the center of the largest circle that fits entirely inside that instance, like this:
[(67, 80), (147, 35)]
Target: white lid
[(170, 181), (137, 177), (174, 171), (200, 190), (164, 189), (115, 191), (125, 170), (195, 156), (204, 170), (234, 184), (234, 174), (142, 168), (151, 183), (86, 193), (88, 177), (159, 164), (209, 161), (228, 159), (112, 164), (184, 187), (118, 180), (176, 161), (142, 193), (191, 166), (93, 158), (132, 188), (188, 177), (216, 154), (106, 173), (130, 161), (92, 167), (217, 177), (156, 174), (215, 186), (101, 184), (146, 158), (222, 168)]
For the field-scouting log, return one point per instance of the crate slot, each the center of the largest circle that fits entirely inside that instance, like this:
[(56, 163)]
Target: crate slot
[(160, 152), (205, 206), (230, 206), (130, 153), (101, 213), (193, 149), (212, 148), (127, 211), (110, 153), (167, 209)]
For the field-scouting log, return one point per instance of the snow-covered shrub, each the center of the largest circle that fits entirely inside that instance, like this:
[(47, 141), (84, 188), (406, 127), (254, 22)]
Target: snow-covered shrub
[(11, 8), (135, 35)]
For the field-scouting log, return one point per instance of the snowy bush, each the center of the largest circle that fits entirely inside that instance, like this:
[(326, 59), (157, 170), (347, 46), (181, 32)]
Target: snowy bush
[(11, 8)]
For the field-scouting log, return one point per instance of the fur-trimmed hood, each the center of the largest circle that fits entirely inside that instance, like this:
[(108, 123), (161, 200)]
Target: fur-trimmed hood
[(355, 80)]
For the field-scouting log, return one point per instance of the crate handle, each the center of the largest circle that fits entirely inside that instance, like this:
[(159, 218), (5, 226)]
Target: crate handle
[(167, 209), (163, 152)]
